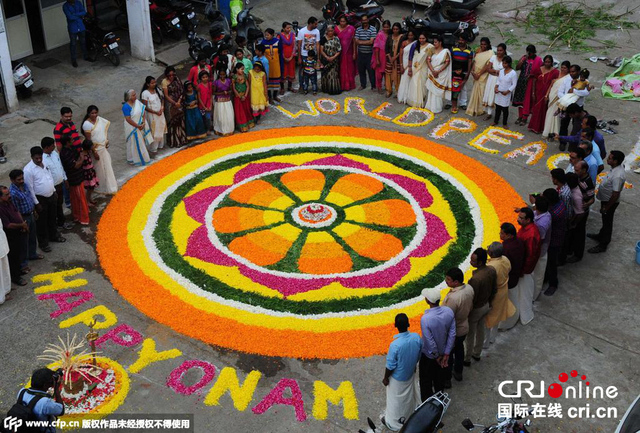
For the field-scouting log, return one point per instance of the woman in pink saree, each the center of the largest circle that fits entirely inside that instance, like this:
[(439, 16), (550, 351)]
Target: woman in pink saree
[(346, 33), (379, 58)]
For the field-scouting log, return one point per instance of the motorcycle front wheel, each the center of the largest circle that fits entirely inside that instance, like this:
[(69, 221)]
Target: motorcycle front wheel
[(113, 57)]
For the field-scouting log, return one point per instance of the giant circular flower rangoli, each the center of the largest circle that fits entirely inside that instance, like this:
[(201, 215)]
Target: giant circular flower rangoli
[(301, 242)]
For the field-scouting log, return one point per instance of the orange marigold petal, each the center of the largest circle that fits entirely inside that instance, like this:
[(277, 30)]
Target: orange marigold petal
[(261, 193), (235, 219), (326, 257), (354, 187), (392, 212), (262, 248), (374, 244), (306, 184)]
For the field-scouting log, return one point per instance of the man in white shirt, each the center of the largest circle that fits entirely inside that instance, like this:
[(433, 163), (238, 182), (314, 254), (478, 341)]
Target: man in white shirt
[(308, 38), (565, 87), (40, 181), (609, 196), (51, 158)]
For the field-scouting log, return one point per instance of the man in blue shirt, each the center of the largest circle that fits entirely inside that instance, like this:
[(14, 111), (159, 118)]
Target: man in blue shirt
[(438, 337), (403, 356), (23, 201), (74, 11), (47, 408)]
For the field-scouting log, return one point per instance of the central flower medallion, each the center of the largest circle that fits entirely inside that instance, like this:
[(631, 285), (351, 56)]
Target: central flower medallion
[(314, 215)]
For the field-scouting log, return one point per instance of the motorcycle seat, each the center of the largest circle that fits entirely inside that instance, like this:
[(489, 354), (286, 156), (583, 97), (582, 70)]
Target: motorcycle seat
[(377, 10), (424, 419), (442, 27)]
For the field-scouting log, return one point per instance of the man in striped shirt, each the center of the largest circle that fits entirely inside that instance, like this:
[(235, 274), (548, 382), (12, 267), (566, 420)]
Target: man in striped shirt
[(365, 36), (66, 127), (462, 59)]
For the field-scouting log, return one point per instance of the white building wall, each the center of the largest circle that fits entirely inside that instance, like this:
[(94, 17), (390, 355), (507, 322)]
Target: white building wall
[(140, 30), (5, 68)]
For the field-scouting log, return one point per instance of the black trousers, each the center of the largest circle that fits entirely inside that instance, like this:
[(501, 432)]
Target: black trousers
[(364, 68), (551, 273), (47, 223), (564, 126), (456, 359), (59, 204), (17, 241), (607, 225), (432, 377), (504, 111), (578, 235)]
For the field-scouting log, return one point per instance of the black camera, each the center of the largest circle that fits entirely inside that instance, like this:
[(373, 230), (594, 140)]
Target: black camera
[(57, 375)]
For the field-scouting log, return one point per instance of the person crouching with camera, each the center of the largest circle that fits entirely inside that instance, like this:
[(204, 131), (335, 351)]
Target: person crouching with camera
[(45, 408)]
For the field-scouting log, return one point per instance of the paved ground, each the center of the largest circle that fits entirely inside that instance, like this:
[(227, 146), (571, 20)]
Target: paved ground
[(590, 325)]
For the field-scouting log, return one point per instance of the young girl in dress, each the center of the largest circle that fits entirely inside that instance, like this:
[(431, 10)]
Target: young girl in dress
[(223, 120), (205, 99), (192, 116), (242, 101), (258, 90)]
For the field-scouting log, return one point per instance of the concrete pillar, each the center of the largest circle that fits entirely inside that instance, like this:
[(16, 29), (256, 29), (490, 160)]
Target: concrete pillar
[(140, 30), (6, 71)]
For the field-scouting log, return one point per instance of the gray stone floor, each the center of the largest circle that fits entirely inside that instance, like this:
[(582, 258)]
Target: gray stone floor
[(590, 325)]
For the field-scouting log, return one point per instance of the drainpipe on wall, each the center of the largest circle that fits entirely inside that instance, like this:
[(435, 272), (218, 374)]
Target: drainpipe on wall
[(6, 71)]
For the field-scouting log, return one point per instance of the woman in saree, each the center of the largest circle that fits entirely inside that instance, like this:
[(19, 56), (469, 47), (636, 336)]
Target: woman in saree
[(379, 57), (96, 128), (155, 114), (551, 121), (495, 66), (192, 115), (242, 102), (541, 88), (136, 131), (392, 50), (529, 67), (273, 53), (173, 95), (407, 46), (418, 71), (288, 47), (439, 81), (346, 33), (480, 73), (330, 55)]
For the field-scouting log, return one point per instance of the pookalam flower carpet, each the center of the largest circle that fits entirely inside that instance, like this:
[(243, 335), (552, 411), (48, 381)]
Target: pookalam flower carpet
[(299, 242)]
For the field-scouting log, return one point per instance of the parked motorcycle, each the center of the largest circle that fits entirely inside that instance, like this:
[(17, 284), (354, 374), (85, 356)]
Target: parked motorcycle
[(164, 22), (504, 425), (466, 4), (100, 41), (184, 10), (23, 80), (219, 31), (427, 418), (248, 28), (450, 31), (439, 12), (334, 10)]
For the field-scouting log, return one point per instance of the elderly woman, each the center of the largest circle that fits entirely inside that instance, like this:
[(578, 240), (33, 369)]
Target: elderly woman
[(480, 73), (136, 131), (330, 49), (173, 96)]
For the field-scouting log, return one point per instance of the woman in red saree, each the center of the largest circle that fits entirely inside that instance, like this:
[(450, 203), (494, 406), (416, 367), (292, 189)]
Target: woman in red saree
[(539, 94), (379, 58), (346, 32)]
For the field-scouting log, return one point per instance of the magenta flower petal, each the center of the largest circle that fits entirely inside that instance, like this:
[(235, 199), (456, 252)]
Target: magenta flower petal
[(200, 247), (339, 160), (417, 189), (258, 168), (385, 278), (197, 204), (437, 236)]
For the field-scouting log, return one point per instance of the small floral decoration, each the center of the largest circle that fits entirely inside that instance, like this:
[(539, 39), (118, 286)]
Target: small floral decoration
[(174, 381), (310, 111), (359, 105), (377, 113), (554, 161), (334, 106), (533, 151), (457, 124), (414, 112), (497, 135)]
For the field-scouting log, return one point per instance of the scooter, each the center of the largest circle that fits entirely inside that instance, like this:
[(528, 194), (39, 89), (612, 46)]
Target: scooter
[(248, 28), (334, 10), (23, 80), (504, 424), (184, 10), (427, 418), (166, 21), (100, 41)]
